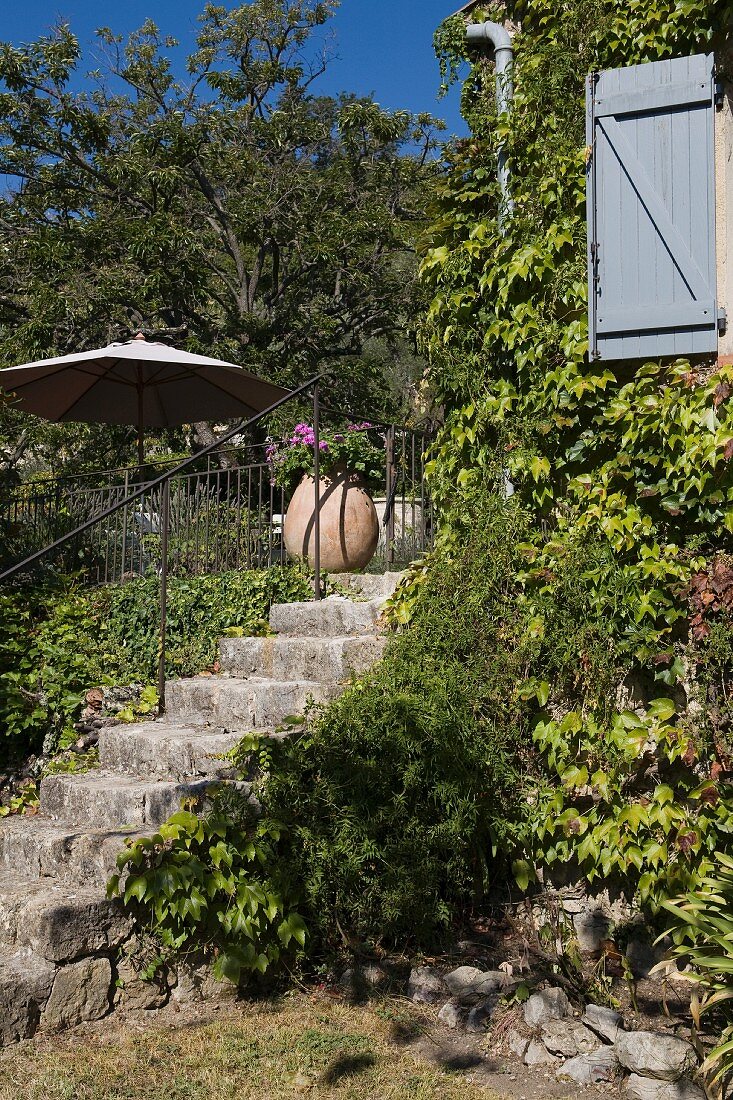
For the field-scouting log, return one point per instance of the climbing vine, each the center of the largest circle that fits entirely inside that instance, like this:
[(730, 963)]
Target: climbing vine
[(629, 464)]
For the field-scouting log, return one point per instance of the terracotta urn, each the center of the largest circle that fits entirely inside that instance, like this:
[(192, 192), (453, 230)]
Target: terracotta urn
[(349, 524)]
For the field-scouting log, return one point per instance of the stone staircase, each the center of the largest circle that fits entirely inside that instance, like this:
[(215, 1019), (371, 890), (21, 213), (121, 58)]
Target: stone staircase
[(60, 939)]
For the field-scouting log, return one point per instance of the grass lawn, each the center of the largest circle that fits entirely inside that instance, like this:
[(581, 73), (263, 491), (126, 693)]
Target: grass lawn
[(299, 1046)]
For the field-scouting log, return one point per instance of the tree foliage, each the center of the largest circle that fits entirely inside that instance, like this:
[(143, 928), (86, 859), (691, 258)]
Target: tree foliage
[(231, 209)]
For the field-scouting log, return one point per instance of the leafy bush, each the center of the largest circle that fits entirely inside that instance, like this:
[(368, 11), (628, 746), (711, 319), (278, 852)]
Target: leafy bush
[(200, 610), (624, 469), (627, 801), (59, 641), (212, 882), (47, 660)]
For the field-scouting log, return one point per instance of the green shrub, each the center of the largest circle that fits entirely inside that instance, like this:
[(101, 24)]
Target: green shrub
[(200, 610), (212, 883), (47, 660), (624, 468)]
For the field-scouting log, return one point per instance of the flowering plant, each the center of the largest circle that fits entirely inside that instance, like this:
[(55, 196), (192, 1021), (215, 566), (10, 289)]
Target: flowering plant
[(352, 448)]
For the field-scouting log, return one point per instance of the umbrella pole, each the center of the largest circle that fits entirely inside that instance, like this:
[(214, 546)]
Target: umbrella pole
[(140, 420)]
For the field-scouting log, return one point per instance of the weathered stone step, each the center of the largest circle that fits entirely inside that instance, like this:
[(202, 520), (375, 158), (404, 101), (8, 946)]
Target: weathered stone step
[(334, 617), (243, 705), (34, 847), (166, 749), (107, 800), (36, 995), (56, 922), (285, 658), (369, 586), (25, 987)]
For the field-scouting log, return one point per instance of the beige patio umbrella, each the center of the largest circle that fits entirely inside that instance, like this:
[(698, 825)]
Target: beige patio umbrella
[(137, 382)]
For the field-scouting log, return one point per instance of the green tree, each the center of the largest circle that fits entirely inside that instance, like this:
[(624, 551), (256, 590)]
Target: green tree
[(233, 211)]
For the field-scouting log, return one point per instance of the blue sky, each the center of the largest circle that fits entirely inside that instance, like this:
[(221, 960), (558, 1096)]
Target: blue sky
[(383, 47)]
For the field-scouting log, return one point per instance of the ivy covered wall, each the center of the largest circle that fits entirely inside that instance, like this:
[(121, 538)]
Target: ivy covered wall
[(624, 472)]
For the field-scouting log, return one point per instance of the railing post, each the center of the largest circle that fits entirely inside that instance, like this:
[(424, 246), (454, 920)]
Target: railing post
[(317, 480), (165, 523), (391, 487), (123, 555)]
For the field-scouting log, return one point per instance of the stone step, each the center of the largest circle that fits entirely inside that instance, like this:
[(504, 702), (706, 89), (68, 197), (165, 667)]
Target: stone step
[(243, 705), (285, 658), (25, 987), (58, 922), (166, 749), (34, 847), (368, 586), (36, 995), (334, 617), (106, 800)]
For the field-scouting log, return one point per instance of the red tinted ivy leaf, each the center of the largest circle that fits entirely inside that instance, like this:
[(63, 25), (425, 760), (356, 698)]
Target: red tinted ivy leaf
[(722, 393)]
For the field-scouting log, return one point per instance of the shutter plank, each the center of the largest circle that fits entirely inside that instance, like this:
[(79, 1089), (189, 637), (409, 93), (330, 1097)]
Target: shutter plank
[(634, 103), (644, 318)]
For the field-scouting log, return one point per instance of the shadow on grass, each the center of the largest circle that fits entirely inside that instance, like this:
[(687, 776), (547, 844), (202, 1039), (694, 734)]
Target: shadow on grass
[(347, 1065)]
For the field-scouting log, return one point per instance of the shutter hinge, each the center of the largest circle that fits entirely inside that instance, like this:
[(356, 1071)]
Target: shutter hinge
[(722, 322), (719, 95)]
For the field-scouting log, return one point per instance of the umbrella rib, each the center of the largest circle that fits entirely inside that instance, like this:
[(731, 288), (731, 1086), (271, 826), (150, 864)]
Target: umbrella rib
[(190, 372), (161, 406), (51, 374), (222, 389)]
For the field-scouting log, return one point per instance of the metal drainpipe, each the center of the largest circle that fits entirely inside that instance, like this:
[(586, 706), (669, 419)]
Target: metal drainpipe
[(478, 34)]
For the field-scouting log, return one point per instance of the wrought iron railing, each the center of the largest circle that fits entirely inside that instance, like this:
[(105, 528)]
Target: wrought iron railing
[(215, 511), (221, 517)]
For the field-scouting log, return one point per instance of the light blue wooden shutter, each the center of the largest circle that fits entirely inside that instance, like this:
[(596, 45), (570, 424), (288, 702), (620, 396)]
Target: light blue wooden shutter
[(651, 210)]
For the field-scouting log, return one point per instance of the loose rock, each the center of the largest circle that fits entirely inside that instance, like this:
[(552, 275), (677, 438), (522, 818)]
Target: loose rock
[(604, 1021), (550, 1004), (644, 1088), (651, 1055), (591, 929), (451, 1015), (469, 984), (195, 982), (642, 956), (134, 994), (81, 992), (591, 1069), (480, 1015), (568, 1038), (517, 1044), (536, 1055), (358, 978), (425, 986)]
